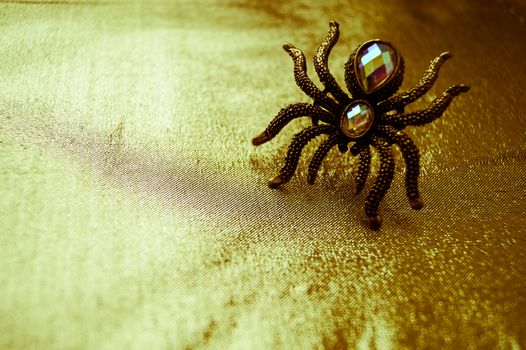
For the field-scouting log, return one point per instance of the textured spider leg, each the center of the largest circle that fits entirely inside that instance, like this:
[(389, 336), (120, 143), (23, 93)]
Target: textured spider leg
[(381, 184), (304, 82), (289, 113), (435, 111), (320, 154), (399, 101), (364, 164), (321, 64), (412, 163), (299, 141)]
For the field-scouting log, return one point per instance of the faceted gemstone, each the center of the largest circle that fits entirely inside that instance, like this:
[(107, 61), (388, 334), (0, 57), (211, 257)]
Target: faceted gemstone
[(357, 119), (375, 65)]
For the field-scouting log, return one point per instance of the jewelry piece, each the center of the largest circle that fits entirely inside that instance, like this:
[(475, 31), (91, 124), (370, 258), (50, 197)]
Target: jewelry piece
[(373, 116)]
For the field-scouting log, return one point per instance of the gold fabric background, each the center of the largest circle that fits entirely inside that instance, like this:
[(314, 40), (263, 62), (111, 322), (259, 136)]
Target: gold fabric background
[(134, 211)]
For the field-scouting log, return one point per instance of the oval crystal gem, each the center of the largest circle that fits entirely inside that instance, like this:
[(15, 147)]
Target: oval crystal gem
[(357, 119), (375, 63)]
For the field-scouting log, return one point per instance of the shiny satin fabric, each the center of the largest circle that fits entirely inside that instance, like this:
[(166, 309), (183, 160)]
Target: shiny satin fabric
[(134, 211)]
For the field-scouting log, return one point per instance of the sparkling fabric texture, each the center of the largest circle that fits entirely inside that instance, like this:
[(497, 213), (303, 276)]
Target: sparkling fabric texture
[(134, 211)]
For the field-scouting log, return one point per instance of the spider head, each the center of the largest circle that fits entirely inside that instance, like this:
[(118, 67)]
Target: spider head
[(357, 119), (374, 71)]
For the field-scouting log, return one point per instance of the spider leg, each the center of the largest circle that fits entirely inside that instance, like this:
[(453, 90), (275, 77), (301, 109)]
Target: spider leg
[(381, 184), (364, 164), (412, 162), (321, 64), (320, 154), (435, 111), (299, 141), (399, 101), (289, 113), (304, 82)]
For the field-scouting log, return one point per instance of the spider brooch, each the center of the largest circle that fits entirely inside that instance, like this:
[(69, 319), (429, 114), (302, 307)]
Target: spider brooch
[(373, 116)]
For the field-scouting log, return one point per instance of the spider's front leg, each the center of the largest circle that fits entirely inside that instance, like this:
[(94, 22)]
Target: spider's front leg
[(425, 116), (299, 141), (412, 162), (364, 165), (287, 114), (304, 82), (381, 184), (399, 101), (321, 153)]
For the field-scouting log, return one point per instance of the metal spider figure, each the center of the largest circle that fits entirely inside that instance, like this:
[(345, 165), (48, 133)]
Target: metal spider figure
[(373, 116)]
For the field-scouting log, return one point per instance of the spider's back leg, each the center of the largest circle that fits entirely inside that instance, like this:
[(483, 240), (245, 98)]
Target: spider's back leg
[(425, 116), (321, 64), (305, 83), (399, 101)]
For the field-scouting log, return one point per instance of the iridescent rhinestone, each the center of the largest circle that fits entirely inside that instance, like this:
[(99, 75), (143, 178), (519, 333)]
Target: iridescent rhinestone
[(376, 62), (357, 119)]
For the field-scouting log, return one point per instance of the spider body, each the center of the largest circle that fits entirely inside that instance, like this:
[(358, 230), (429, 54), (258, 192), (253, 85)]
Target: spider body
[(372, 116)]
